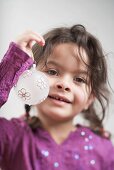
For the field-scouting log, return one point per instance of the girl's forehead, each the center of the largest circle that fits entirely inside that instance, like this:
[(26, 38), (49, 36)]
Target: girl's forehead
[(68, 54)]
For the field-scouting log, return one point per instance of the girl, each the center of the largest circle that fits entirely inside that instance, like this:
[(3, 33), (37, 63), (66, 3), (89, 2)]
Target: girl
[(75, 65)]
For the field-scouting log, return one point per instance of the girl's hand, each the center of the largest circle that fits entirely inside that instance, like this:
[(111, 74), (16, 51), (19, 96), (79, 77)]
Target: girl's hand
[(27, 40)]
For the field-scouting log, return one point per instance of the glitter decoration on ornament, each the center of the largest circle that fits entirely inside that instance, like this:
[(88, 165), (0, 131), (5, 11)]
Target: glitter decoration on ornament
[(41, 83), (24, 94)]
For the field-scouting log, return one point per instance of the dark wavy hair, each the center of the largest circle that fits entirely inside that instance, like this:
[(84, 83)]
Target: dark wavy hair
[(97, 69)]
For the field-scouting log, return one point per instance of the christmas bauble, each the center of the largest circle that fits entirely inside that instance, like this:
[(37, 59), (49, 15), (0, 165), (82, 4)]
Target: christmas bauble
[(32, 87)]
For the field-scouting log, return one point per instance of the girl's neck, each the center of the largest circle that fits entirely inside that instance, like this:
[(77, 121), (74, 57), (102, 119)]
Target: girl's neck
[(59, 131)]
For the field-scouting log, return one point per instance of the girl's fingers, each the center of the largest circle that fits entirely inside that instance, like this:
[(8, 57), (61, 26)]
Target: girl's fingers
[(31, 43), (33, 38), (39, 39), (30, 37)]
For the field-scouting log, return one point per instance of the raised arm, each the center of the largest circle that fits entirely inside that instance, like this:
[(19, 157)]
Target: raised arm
[(16, 60)]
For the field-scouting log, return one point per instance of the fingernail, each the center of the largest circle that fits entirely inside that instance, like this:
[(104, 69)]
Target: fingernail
[(42, 43)]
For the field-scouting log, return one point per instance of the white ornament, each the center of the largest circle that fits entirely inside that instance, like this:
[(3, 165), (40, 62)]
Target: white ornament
[(32, 86)]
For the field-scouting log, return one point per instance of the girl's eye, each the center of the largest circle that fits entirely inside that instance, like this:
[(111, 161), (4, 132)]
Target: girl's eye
[(52, 72), (80, 80)]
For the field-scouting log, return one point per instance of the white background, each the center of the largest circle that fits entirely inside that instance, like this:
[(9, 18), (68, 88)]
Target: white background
[(16, 16)]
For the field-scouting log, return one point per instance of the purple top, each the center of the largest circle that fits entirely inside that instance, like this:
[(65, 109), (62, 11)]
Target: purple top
[(23, 149)]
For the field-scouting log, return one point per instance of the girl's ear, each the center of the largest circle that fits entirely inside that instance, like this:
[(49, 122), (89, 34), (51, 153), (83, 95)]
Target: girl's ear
[(90, 101)]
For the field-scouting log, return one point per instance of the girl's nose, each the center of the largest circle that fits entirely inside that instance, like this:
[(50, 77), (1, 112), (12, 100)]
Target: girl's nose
[(63, 85)]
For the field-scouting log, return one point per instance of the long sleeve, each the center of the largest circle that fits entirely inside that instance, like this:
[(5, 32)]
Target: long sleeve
[(14, 62)]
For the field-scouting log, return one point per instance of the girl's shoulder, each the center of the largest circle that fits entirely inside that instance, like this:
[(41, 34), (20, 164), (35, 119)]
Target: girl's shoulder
[(9, 129), (91, 146), (101, 144), (85, 130)]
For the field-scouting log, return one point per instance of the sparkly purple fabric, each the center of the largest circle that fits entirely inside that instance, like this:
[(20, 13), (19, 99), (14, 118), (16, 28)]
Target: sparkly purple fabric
[(23, 149)]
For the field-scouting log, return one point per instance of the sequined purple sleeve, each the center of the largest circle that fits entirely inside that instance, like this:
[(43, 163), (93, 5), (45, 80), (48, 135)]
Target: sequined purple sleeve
[(15, 61)]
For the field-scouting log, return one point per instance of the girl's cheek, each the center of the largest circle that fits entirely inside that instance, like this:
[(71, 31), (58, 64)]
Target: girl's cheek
[(81, 95), (51, 82)]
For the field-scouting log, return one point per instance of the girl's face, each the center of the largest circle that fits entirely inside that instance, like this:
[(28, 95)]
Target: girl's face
[(70, 90)]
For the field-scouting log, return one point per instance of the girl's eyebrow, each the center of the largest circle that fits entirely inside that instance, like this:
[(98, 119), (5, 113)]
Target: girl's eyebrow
[(79, 71), (53, 63)]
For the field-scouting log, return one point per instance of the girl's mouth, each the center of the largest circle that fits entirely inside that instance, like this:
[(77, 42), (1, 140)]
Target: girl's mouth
[(59, 98)]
